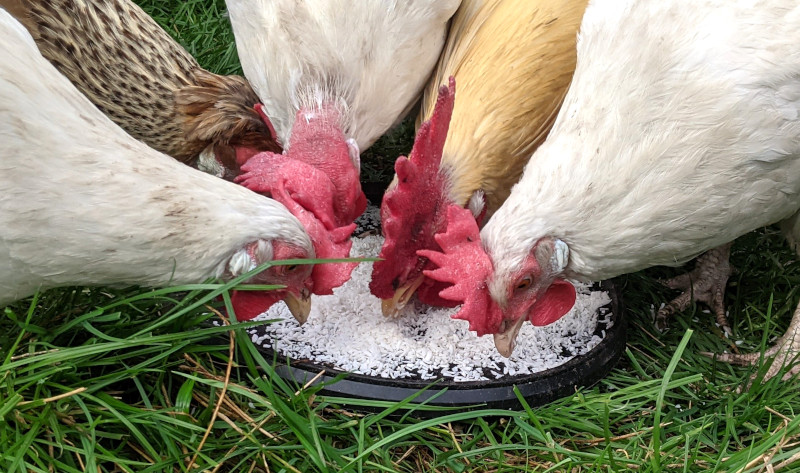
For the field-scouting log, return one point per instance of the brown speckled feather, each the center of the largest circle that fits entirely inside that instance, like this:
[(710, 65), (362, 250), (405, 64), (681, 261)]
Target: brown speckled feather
[(218, 110), (139, 76), (513, 61)]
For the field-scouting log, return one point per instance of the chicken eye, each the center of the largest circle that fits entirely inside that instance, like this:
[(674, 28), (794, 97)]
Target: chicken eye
[(524, 283), (291, 267)]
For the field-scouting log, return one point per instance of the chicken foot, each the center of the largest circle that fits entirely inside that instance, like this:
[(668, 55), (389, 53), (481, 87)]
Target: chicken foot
[(785, 351), (705, 283)]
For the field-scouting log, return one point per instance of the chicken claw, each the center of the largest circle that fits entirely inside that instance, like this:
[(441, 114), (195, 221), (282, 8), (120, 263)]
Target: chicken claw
[(706, 283), (786, 351)]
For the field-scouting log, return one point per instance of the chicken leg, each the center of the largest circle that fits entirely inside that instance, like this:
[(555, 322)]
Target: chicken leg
[(785, 352), (706, 283)]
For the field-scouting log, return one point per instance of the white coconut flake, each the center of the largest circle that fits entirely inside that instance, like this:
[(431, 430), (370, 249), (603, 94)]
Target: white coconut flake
[(347, 331)]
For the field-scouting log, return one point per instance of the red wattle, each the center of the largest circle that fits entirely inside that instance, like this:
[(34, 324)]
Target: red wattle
[(553, 304), (250, 304), (413, 212)]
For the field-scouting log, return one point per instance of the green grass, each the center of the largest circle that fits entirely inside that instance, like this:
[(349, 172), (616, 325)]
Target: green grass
[(201, 27), (131, 380), (377, 162)]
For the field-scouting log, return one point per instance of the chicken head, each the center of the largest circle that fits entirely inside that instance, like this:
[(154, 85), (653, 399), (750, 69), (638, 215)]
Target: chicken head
[(328, 244), (307, 193), (296, 278), (318, 141), (223, 113), (412, 213), (499, 303)]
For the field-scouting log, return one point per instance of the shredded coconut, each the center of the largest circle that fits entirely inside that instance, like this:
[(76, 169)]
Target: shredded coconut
[(347, 331)]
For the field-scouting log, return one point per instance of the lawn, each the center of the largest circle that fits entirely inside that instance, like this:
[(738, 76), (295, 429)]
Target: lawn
[(133, 380)]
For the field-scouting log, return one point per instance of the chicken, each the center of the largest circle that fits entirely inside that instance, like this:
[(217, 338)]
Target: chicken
[(131, 69), (512, 61), (145, 81), (83, 203), (334, 75), (680, 132)]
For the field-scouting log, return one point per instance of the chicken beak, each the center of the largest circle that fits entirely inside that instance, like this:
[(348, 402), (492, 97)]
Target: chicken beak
[(505, 340), (392, 307), (300, 306)]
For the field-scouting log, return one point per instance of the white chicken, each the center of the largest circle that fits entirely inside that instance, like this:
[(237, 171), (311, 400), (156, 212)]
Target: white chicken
[(680, 132), (83, 203), (334, 75)]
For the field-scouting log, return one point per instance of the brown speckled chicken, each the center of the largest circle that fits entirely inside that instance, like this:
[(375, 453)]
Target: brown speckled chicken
[(142, 79)]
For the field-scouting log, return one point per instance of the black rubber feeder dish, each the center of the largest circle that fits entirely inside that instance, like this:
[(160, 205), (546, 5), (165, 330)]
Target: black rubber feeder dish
[(537, 389)]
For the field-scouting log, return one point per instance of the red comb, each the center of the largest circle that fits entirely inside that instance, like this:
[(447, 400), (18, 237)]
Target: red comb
[(317, 140), (307, 193), (428, 293), (465, 265), (328, 276), (333, 244), (412, 212), (307, 185)]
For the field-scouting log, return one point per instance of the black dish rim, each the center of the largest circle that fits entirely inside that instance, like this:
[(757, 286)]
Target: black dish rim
[(539, 389)]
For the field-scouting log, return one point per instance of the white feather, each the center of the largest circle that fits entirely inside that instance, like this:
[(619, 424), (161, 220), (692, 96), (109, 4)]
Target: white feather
[(370, 58), (477, 202), (208, 163)]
